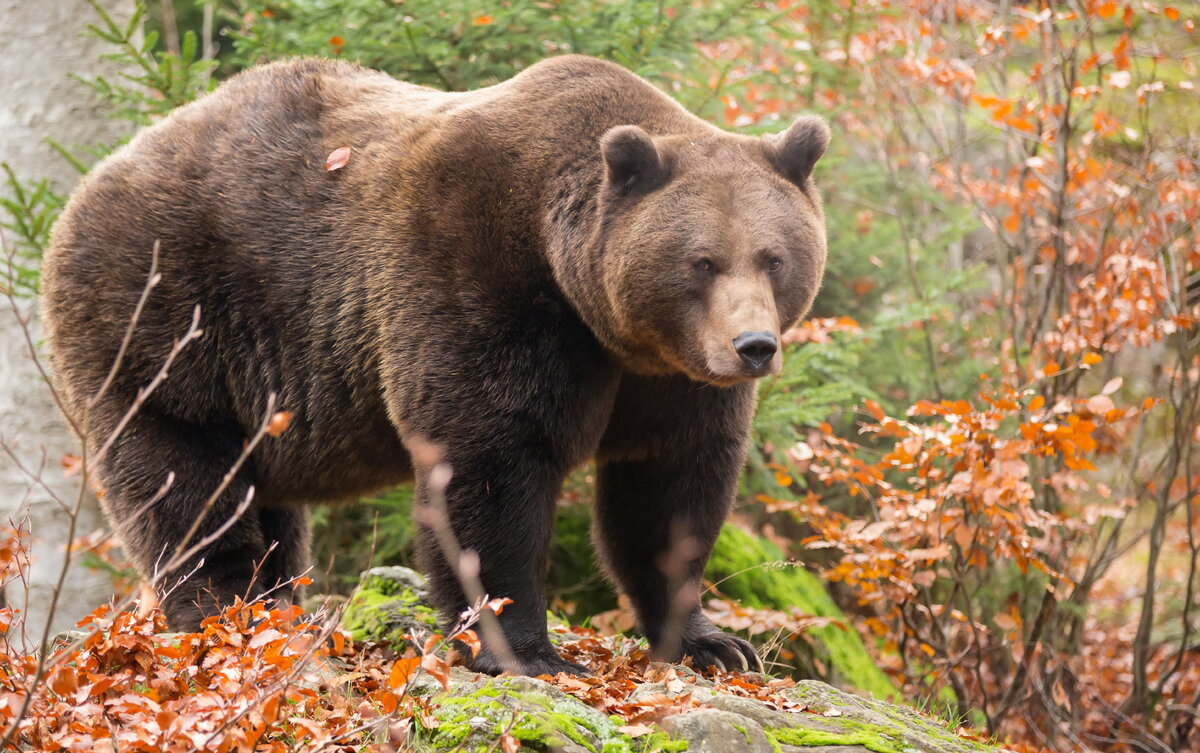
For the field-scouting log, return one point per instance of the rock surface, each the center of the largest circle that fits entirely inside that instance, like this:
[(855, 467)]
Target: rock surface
[(478, 710)]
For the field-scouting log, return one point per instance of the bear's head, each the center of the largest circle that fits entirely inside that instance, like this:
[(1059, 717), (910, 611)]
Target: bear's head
[(709, 247)]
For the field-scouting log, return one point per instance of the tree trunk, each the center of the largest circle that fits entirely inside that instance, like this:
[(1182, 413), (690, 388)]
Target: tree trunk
[(43, 44)]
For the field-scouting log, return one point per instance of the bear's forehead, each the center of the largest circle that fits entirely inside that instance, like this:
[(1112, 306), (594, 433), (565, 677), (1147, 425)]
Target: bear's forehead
[(729, 191), (722, 215)]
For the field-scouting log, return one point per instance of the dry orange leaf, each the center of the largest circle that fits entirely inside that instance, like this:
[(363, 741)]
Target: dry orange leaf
[(279, 423), (438, 668), (338, 158), (471, 639), (402, 670)]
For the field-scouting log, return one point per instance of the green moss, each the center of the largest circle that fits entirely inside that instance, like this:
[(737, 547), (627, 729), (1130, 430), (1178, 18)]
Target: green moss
[(775, 746), (541, 721), (738, 561), (384, 610), (658, 742), (810, 738), (745, 732)]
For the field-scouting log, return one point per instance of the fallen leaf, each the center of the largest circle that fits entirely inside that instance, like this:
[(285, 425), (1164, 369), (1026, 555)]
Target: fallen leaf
[(401, 671), (338, 158)]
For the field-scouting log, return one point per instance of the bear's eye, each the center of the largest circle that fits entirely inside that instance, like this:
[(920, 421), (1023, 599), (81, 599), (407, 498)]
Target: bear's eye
[(774, 264), (705, 265)]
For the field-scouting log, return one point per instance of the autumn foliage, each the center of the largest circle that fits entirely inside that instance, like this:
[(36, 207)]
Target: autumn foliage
[(1020, 535)]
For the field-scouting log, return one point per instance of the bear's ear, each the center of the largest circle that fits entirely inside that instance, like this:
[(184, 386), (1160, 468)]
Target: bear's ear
[(634, 162), (796, 150)]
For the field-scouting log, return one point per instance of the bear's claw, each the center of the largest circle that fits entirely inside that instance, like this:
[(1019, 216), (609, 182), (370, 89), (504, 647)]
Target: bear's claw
[(722, 651)]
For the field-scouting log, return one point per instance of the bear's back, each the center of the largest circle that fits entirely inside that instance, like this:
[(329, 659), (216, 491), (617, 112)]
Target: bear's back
[(296, 269)]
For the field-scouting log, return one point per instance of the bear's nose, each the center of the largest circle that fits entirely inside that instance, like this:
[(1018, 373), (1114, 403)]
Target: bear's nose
[(756, 348)]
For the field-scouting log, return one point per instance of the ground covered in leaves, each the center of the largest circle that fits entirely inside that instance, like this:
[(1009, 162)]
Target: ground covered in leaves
[(274, 680)]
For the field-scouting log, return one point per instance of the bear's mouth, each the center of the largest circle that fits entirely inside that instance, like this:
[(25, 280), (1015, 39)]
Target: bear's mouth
[(743, 359), (726, 372)]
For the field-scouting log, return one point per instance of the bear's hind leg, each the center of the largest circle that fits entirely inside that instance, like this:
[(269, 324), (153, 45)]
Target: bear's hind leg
[(145, 453), (286, 528)]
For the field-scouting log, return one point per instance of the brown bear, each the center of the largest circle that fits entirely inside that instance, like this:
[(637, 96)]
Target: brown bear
[(562, 267)]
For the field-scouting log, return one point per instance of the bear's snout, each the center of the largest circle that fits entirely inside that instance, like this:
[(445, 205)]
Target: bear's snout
[(756, 350)]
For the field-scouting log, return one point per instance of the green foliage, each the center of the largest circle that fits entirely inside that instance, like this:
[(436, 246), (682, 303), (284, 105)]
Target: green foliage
[(27, 211), (752, 570), (155, 82), (347, 540), (575, 580), (456, 45), (816, 380)]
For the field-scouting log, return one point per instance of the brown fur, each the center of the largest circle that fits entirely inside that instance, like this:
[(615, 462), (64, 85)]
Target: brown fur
[(529, 275)]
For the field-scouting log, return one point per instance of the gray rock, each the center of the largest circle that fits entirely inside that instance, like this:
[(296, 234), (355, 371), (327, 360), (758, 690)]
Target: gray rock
[(402, 577), (757, 710), (861, 718), (698, 691), (64, 640), (715, 731)]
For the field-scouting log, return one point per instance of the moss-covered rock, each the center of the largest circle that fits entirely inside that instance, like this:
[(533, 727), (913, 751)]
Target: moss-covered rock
[(875, 725), (476, 710), (389, 603), (543, 718), (744, 567), (716, 731)]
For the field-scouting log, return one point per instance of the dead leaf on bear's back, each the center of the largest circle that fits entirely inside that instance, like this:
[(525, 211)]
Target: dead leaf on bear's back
[(338, 158)]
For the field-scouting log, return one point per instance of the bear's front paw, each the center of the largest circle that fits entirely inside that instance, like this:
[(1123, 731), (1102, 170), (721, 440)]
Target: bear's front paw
[(545, 661), (723, 651)]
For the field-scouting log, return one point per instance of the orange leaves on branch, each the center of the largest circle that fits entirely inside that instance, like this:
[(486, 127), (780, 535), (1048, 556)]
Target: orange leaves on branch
[(279, 423), (469, 639), (956, 473)]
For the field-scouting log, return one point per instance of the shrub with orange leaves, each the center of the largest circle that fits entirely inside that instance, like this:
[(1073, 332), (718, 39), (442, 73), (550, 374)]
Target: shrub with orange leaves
[(985, 534)]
